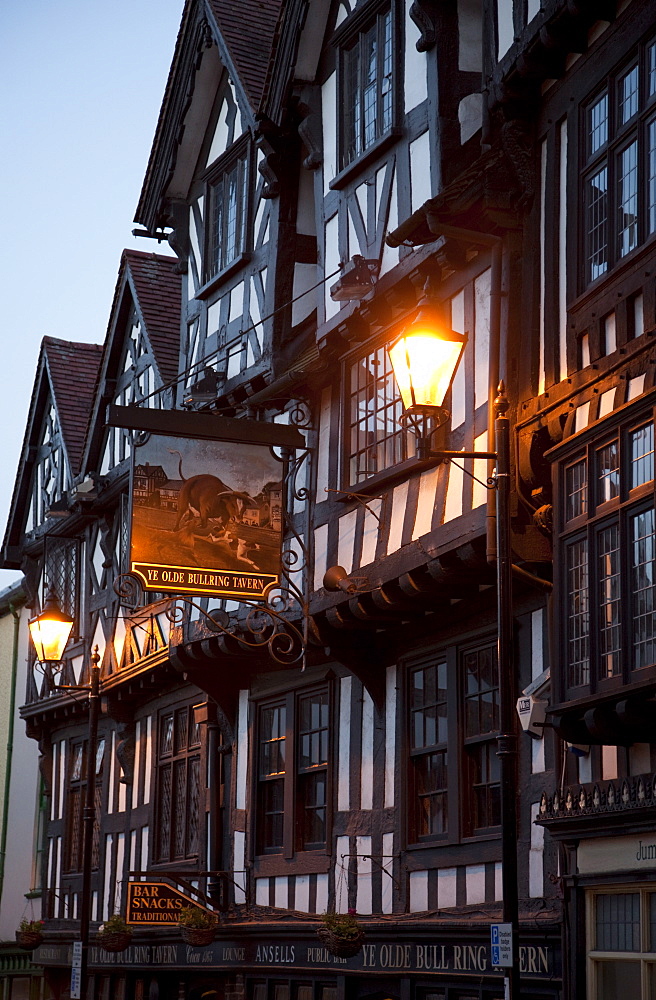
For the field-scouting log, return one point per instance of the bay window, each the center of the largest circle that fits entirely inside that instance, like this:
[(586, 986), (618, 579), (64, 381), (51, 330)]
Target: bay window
[(608, 556)]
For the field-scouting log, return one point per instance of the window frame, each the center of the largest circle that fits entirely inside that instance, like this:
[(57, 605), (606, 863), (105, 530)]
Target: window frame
[(643, 955), (588, 526), (351, 34), (459, 790), (76, 786), (596, 157), (171, 760), (240, 153), (403, 441), (293, 777)]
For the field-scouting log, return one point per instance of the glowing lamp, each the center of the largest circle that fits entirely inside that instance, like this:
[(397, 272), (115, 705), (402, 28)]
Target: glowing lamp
[(424, 359), (50, 631)]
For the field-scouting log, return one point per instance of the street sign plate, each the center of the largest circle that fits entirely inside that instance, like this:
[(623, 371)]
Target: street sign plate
[(501, 945), (76, 983)]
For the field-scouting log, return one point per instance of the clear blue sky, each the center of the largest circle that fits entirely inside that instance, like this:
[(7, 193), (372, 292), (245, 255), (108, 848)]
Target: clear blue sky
[(81, 83)]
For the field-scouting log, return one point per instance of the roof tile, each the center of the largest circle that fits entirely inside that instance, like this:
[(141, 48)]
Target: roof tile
[(73, 369), (248, 28), (158, 289)]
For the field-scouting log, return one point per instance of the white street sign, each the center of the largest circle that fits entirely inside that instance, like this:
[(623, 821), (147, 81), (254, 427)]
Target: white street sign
[(502, 942)]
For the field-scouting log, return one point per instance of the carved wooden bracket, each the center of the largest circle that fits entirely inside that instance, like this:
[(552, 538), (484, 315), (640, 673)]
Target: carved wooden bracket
[(424, 14)]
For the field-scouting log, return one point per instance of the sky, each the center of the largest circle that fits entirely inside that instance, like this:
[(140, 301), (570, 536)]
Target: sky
[(81, 84)]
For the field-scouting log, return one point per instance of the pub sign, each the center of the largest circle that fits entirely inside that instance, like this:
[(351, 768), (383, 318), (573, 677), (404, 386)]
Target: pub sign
[(206, 516), (154, 904)]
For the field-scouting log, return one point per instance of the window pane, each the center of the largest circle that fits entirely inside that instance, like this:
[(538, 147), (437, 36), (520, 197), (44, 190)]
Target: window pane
[(486, 789), (651, 176), (272, 814), (628, 95), (166, 735), (272, 742), (627, 199), (430, 780), (481, 691), (576, 488), (652, 921), (642, 455), (596, 197), (578, 616), (618, 922), (377, 440), (651, 69), (609, 601), (616, 979), (642, 577), (608, 473), (313, 730), (598, 124), (428, 706), (312, 809)]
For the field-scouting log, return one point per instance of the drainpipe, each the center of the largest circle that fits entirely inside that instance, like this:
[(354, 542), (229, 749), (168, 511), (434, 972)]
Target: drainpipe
[(10, 749)]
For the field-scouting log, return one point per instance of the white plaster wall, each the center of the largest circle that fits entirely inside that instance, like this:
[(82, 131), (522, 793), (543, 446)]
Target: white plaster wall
[(24, 785)]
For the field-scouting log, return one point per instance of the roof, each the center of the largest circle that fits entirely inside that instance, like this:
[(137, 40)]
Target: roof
[(248, 29), (73, 370), (244, 32), (67, 373), (158, 292)]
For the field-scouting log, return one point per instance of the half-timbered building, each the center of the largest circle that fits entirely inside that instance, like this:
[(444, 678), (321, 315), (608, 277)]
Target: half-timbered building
[(319, 169)]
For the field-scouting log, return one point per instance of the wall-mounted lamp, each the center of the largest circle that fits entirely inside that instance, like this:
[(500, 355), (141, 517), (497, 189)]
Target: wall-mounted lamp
[(424, 359), (336, 578), (50, 631), (356, 280)]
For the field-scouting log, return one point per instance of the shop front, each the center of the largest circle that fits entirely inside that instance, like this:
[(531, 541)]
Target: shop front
[(613, 908), (418, 963)]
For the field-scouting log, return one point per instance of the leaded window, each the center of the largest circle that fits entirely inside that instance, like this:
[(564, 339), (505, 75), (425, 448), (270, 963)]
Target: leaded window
[(609, 557), (619, 180), (75, 801), (376, 439), (227, 215), (178, 785), (367, 82)]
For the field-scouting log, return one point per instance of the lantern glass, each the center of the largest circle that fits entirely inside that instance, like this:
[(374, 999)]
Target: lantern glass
[(50, 631), (425, 359)]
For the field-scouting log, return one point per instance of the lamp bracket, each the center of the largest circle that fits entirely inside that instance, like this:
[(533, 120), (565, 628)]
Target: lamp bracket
[(449, 456), (361, 498)]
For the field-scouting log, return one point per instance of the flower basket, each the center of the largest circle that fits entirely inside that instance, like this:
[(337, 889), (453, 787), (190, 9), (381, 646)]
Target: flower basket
[(28, 940), (197, 936), (341, 934), (341, 947), (114, 940)]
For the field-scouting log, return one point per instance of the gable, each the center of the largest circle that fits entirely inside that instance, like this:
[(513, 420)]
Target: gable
[(55, 434)]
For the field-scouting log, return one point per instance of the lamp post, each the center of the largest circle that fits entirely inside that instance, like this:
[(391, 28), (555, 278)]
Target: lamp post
[(424, 359), (50, 631)]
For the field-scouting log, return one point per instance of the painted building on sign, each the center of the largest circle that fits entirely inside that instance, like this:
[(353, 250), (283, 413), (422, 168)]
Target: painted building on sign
[(327, 741)]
